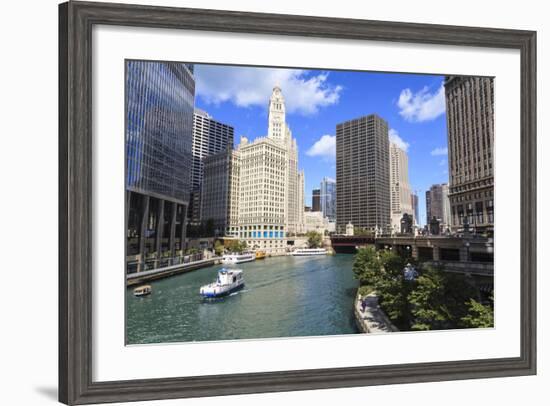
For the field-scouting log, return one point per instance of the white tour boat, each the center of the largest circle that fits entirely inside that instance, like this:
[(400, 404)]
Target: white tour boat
[(235, 258), (142, 290), (228, 281), (308, 251)]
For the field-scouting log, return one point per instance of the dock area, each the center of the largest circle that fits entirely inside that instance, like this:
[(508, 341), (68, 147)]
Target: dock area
[(137, 278), (370, 318)]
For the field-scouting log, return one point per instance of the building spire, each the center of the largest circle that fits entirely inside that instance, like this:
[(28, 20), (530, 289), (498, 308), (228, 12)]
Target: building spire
[(277, 121)]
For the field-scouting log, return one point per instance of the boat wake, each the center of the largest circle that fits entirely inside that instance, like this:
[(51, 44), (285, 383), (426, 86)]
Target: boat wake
[(239, 292)]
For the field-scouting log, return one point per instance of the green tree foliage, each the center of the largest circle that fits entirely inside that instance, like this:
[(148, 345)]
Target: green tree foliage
[(434, 300), (237, 246), (428, 306), (383, 271), (394, 289), (361, 231), (366, 266), (314, 239), (479, 315), (218, 247)]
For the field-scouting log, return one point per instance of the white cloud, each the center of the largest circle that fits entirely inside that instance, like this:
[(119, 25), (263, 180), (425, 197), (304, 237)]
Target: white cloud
[(439, 151), (422, 105), (248, 86), (324, 147), (397, 140)]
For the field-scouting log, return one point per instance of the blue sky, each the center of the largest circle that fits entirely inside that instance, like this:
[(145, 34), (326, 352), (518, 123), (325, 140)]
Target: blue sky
[(317, 100)]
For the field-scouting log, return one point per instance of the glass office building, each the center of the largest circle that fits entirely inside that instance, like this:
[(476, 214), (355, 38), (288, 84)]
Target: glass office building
[(160, 100), (328, 198)]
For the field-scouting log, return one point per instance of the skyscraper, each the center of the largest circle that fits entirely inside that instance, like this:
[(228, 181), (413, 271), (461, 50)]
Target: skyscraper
[(414, 204), (400, 195), (470, 124), (259, 185), (220, 191), (159, 130), (301, 201), (438, 206), (328, 198), (316, 200), (362, 174), (209, 137)]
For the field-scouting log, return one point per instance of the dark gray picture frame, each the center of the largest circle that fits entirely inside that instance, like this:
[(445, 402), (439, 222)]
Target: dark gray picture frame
[(76, 20)]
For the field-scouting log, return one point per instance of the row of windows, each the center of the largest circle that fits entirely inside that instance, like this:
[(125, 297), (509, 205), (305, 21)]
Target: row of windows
[(159, 105), (263, 234)]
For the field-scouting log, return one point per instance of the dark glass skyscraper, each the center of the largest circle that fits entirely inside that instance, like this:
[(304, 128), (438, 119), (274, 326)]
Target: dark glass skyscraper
[(210, 137), (159, 132), (316, 200)]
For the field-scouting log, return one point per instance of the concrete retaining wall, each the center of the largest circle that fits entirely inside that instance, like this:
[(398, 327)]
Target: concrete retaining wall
[(372, 319)]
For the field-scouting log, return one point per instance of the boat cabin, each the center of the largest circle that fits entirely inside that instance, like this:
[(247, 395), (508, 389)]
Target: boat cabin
[(142, 290), (227, 276)]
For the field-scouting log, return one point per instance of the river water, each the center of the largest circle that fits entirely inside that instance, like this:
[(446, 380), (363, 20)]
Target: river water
[(283, 297)]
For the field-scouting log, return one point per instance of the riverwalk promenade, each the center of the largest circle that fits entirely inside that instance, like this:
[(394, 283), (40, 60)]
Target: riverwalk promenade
[(159, 273), (369, 316)]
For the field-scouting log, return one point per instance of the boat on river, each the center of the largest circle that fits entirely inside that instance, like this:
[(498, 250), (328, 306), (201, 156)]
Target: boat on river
[(236, 258), (260, 254), (143, 290), (228, 281), (308, 251)]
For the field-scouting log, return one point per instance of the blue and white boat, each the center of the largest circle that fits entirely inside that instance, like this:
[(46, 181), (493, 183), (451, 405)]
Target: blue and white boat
[(228, 281)]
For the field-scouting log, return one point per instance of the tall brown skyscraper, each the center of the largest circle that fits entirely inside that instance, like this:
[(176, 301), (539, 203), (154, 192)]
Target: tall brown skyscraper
[(470, 126), (363, 174), (316, 200), (437, 205)]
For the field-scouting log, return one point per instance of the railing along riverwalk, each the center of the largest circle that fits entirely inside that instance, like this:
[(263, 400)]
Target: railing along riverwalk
[(159, 273)]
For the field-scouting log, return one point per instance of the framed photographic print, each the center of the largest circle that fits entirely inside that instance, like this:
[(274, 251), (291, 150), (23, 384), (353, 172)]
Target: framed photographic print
[(260, 202)]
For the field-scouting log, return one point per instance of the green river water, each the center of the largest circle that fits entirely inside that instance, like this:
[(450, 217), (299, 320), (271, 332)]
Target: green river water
[(283, 297)]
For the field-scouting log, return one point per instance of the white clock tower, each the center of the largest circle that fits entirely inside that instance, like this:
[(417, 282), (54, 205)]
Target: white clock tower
[(277, 124)]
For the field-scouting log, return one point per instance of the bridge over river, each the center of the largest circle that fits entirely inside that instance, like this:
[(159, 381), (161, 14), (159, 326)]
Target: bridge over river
[(472, 255)]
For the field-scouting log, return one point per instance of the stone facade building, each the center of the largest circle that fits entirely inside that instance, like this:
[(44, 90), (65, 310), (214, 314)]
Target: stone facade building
[(400, 190), (470, 124), (315, 221), (220, 188), (263, 191)]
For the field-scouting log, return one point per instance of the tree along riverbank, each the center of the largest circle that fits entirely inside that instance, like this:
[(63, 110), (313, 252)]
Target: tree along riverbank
[(431, 300)]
